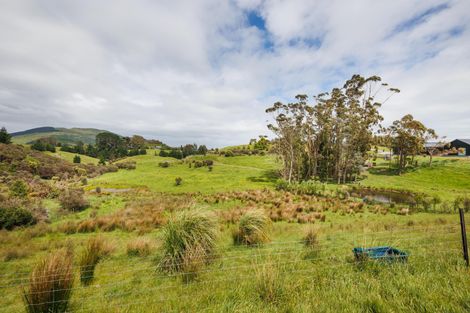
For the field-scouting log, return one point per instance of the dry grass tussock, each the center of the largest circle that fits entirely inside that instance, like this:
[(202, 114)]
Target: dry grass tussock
[(96, 249), (290, 207), (140, 246), (138, 215), (50, 284)]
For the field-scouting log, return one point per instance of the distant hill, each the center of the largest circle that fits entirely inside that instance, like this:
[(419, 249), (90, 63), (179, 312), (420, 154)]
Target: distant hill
[(62, 135), (46, 129)]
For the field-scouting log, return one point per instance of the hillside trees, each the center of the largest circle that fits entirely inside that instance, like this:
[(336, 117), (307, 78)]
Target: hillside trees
[(202, 150), (5, 137), (44, 144), (262, 143), (110, 146), (137, 142), (329, 140), (189, 149)]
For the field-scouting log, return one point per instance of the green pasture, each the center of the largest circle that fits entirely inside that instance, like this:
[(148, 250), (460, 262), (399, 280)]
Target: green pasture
[(228, 173)]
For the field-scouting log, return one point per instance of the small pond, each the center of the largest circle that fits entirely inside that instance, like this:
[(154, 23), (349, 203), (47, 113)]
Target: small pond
[(384, 196)]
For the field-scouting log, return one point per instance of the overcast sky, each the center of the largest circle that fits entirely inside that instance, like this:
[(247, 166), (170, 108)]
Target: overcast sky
[(204, 71)]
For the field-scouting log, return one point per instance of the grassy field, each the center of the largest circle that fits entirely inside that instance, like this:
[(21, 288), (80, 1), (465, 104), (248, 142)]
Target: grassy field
[(281, 275), (229, 173), (68, 156), (447, 177)]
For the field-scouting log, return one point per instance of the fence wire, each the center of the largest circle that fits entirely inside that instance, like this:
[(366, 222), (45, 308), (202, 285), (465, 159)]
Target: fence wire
[(226, 265)]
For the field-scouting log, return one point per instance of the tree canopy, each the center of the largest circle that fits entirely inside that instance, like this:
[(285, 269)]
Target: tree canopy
[(330, 139), (5, 137)]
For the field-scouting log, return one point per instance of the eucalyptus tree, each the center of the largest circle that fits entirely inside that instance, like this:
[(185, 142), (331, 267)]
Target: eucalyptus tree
[(331, 139), (409, 136), (292, 127)]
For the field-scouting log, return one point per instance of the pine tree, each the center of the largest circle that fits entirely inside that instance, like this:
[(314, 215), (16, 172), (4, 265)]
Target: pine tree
[(5, 137)]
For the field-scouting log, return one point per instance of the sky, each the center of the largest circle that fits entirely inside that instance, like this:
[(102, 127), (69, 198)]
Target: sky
[(202, 71)]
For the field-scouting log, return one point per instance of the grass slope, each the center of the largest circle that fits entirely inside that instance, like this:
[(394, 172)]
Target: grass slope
[(447, 178), (232, 173), (68, 156), (62, 135)]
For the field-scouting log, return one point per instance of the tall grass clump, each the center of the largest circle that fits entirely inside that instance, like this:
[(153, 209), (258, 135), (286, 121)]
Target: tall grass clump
[(189, 241), (269, 283), (95, 250), (50, 284), (139, 247), (253, 228), (310, 241)]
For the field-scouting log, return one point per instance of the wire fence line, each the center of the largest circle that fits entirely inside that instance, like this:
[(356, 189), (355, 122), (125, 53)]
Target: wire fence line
[(20, 281), (272, 250), (182, 288), (299, 241), (152, 290), (222, 269)]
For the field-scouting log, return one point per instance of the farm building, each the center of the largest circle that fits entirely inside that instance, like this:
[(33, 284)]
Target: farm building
[(462, 146)]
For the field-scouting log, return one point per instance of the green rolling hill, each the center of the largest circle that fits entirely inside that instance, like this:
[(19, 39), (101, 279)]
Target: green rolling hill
[(62, 135)]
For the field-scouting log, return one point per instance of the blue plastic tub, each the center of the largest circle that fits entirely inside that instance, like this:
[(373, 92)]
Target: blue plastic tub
[(380, 253)]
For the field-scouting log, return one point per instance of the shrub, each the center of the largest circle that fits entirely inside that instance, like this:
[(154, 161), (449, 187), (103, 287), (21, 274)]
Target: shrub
[(129, 165), (164, 164), (19, 189), (73, 200), (208, 162), (252, 229), (462, 202), (95, 250), (11, 217), (188, 242), (139, 247), (50, 284), (178, 181), (111, 168), (77, 159)]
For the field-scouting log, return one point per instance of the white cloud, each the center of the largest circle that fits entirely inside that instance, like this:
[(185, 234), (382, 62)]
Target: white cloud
[(186, 71)]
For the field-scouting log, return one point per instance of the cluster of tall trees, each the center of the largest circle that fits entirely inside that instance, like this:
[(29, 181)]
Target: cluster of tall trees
[(261, 144), (329, 140), (110, 146), (184, 151), (44, 144), (406, 138)]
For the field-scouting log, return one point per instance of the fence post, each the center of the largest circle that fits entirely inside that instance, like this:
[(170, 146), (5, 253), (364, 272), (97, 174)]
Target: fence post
[(464, 236)]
